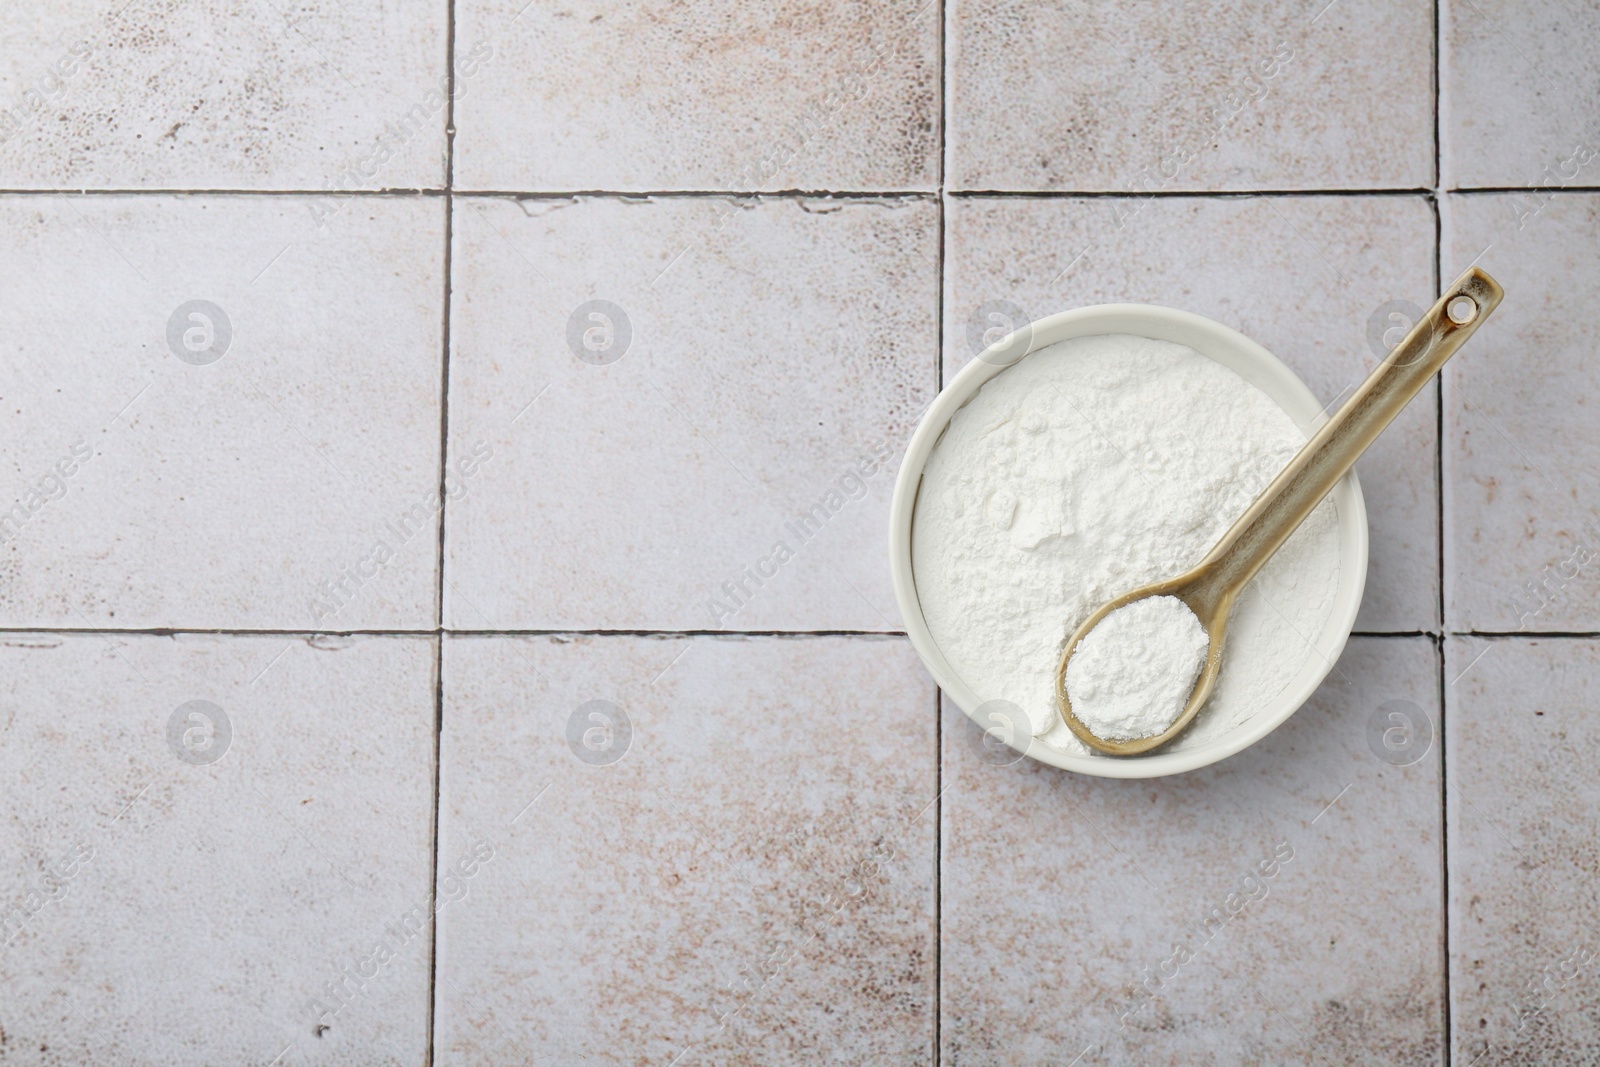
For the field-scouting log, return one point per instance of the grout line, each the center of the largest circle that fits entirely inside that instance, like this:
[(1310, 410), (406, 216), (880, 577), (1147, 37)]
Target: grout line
[(937, 1057), (175, 631), (387, 191), (94, 631), (1438, 469), (1473, 190), (448, 191), (444, 467), (1534, 634), (1444, 849), (943, 181), (444, 329), (1395, 633), (669, 633), (942, 190), (944, 109), (837, 194), (938, 297), (467, 632), (701, 194), (1177, 194), (433, 873), (1438, 78)]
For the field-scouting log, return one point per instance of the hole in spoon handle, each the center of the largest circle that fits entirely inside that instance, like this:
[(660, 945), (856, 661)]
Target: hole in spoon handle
[(1462, 309)]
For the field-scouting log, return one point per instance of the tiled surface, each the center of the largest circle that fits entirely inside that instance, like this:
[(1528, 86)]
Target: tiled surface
[(530, 252), (158, 910), (1078, 914), (1524, 527), (1151, 96), (769, 359), (141, 94), (1519, 89), (691, 888), (1301, 275), (1523, 855), (152, 491), (699, 95)]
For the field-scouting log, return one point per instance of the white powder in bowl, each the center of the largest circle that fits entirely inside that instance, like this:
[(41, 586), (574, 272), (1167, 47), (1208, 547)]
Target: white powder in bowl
[(1085, 470), (1132, 674)]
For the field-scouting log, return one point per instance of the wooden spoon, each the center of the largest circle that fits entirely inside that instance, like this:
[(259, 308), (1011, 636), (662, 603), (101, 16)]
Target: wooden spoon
[(1210, 588)]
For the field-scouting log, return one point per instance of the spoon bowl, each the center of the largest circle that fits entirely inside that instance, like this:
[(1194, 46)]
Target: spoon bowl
[(1211, 601)]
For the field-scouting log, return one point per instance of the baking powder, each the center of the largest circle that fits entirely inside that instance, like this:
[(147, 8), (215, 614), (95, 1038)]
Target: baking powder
[(1132, 674)]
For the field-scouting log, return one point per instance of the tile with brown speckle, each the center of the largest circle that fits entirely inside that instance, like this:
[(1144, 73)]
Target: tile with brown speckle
[(1519, 88), (804, 94), (1282, 906), (698, 850), (1524, 850), (1522, 550), (206, 841), (1158, 97), (695, 409), (219, 415), (205, 94), (1311, 278)]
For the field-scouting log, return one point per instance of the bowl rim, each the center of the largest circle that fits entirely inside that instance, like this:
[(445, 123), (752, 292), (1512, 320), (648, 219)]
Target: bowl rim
[(1213, 340)]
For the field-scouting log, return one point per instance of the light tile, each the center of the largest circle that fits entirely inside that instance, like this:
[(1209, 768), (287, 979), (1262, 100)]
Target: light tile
[(1149, 96), (213, 95), (1520, 511), (179, 890), (212, 465), (765, 360), (730, 856), (1307, 277), (1065, 899), (1517, 107), (842, 95), (1523, 744)]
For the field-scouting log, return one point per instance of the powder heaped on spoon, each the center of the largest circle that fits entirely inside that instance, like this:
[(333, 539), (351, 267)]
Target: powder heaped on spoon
[(1131, 675)]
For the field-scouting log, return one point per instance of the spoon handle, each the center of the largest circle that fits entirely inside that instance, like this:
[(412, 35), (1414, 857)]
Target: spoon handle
[(1335, 447)]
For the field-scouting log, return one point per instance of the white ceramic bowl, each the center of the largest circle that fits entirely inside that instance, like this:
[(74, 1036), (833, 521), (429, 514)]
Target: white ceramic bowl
[(1252, 363)]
